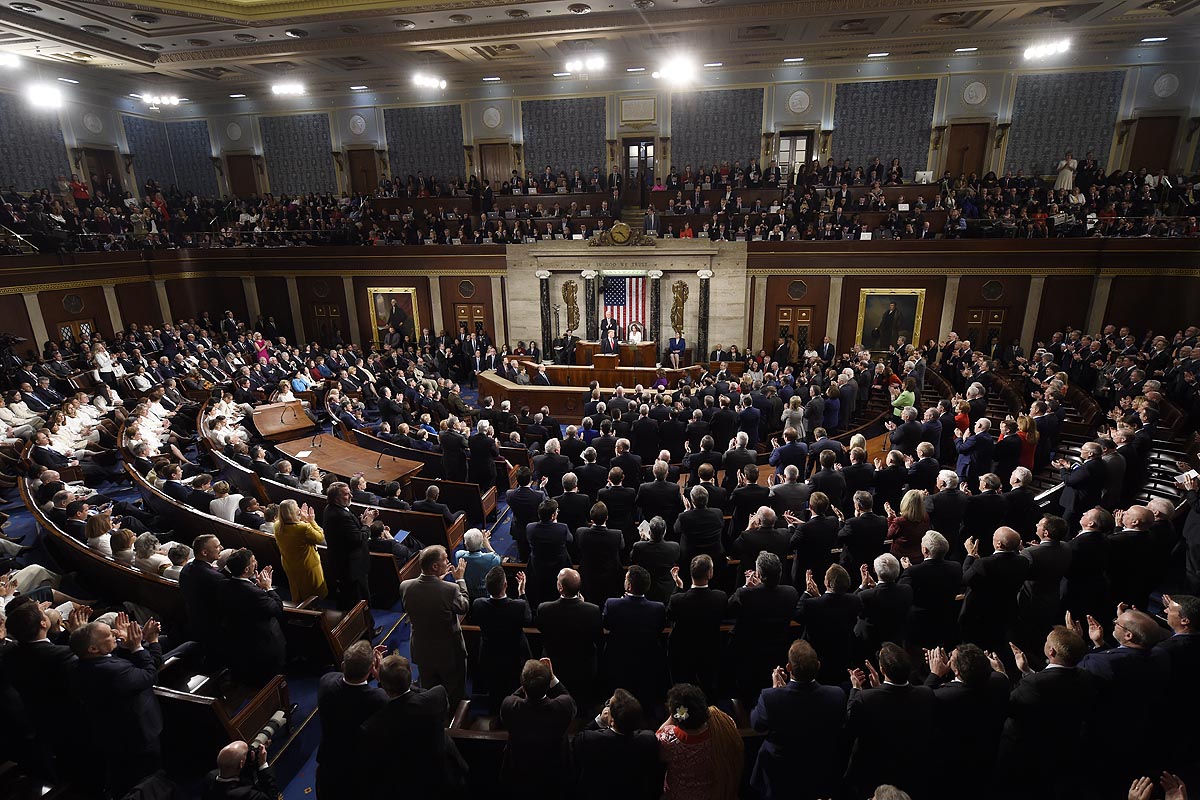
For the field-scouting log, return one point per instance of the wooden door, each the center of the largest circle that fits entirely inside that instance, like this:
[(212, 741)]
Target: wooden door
[(364, 174), (473, 315), (1153, 143), (638, 167), (78, 330), (795, 148), (324, 321), (495, 163), (793, 322), (966, 149), (243, 175), (101, 163), (983, 324)]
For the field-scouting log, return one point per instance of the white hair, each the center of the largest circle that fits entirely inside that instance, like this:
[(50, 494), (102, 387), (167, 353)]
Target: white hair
[(484, 426), (887, 567), (743, 438), (948, 477), (552, 446), (1022, 476), (935, 544), (473, 540)]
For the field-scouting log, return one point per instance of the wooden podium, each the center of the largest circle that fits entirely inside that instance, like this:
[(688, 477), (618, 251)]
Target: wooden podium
[(631, 355)]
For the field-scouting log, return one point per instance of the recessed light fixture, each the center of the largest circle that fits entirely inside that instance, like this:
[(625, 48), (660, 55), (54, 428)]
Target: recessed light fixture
[(562, 74), (68, 80), (678, 70), (429, 81), (1154, 39), (635, 69), (877, 55), (135, 96), (715, 64), (287, 88), (237, 96), (792, 60), (965, 49), (295, 33), (589, 64), (491, 79), (357, 88)]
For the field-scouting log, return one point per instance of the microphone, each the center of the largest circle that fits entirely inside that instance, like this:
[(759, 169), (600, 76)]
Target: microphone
[(284, 414), (382, 453)]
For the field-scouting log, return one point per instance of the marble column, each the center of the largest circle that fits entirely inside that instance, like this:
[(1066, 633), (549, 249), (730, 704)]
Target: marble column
[(36, 320), (164, 303), (1033, 303), (655, 330), (352, 309), (756, 318), (114, 310), (253, 307), (592, 302), (833, 317), (297, 316), (543, 277), (499, 323), (1101, 289), (435, 308), (946, 322), (701, 346)]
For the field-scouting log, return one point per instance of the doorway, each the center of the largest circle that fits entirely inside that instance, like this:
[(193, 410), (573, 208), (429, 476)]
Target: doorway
[(985, 323), (364, 171), (638, 170), (966, 148), (472, 315), (324, 323), (98, 164), (793, 322), (243, 182), (794, 150), (1153, 143), (77, 330), (495, 163)]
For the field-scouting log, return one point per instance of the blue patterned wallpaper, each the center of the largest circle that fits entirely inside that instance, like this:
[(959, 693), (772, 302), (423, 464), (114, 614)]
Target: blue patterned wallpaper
[(567, 134), (191, 152), (34, 153), (425, 139), (297, 149), (1055, 112), (714, 126), (151, 150), (889, 119)]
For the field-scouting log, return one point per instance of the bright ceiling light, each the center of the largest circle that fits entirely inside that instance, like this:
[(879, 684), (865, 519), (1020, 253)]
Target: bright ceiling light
[(160, 99), (9, 60), (562, 74), (1048, 49), (44, 95), (237, 96), (135, 96), (715, 64), (678, 71), (792, 60), (491, 78), (68, 80), (1155, 39), (287, 88), (429, 81), (877, 55), (635, 69), (357, 88), (965, 49), (594, 63)]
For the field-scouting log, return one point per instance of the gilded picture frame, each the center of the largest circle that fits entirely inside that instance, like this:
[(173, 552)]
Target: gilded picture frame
[(380, 300), (878, 331)]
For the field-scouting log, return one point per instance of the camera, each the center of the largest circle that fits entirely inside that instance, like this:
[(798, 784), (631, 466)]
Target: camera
[(271, 727)]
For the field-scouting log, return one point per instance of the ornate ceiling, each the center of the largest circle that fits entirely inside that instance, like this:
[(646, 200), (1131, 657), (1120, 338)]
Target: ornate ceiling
[(210, 48)]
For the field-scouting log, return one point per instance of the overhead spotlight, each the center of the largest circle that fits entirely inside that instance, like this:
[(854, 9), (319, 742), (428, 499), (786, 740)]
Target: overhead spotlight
[(491, 79), (575, 65), (237, 96), (357, 88), (678, 70), (562, 75), (43, 95), (1150, 39), (1048, 49), (593, 63), (635, 69), (715, 64), (159, 99), (792, 60), (68, 80), (428, 81), (9, 60), (965, 49), (877, 55), (287, 88)]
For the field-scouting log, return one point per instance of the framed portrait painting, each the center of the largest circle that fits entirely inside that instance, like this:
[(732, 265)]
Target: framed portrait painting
[(396, 307), (885, 315)]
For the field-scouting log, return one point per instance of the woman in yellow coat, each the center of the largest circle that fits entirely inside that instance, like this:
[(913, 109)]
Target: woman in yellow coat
[(298, 536)]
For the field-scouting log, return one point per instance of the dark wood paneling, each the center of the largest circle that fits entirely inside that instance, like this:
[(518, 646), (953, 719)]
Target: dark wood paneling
[(1015, 288), (94, 308), (138, 303), (16, 322), (1064, 304), (190, 297), (424, 305), (817, 296), (326, 291), (273, 302), (935, 292), (1163, 304), (451, 293)]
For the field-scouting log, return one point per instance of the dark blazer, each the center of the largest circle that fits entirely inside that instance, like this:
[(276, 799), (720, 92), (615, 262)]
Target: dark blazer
[(622, 510), (1038, 604), (657, 558), (253, 632), (884, 614), (889, 485), (595, 750), (1085, 585), (830, 482), (761, 633), (974, 715), (699, 531), (660, 499), (551, 466), (573, 511), (992, 584), (876, 720), (117, 692), (600, 572), (1042, 733), (344, 708), (981, 516), (829, 621), (264, 469), (974, 455), (536, 756), (200, 584), (430, 507), (348, 558), (907, 436), (746, 501), (923, 474), (592, 478), (427, 761), (812, 542), (946, 510), (200, 500), (177, 490), (694, 459), (1084, 486), (802, 723), (548, 554), (932, 618), (570, 629), (862, 540), (634, 647), (1021, 512), (694, 645), (734, 461), (749, 543), (1007, 454), (631, 466), (503, 648)]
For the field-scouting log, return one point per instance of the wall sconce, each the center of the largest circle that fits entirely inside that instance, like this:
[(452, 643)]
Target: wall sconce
[(1123, 131), (77, 158), (938, 132), (612, 150), (768, 144), (218, 165), (826, 135), (128, 159), (1193, 126), (337, 159), (1001, 132), (382, 155), (261, 163)]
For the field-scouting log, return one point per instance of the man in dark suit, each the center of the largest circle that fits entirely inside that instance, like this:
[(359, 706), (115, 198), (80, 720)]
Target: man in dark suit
[(761, 535), (908, 434), (1039, 603), (346, 700), (862, 536), (1182, 650), (483, 451), (974, 450), (1048, 428), (826, 351), (698, 529), (609, 324), (694, 645), (621, 501), (827, 480), (616, 737), (428, 764), (748, 497), (762, 611), (200, 582), (347, 537), (1041, 742), (252, 614), (600, 549), (984, 511), (630, 464), (503, 648), (571, 628), (705, 455), (992, 585), (524, 501), (551, 466), (242, 773), (923, 470), (790, 451), (455, 449), (936, 582), (536, 716), (643, 435), (1084, 483), (430, 505), (813, 540), (592, 476), (116, 686), (659, 498), (723, 424), (634, 650), (802, 720), (946, 508), (1020, 504), (882, 712)]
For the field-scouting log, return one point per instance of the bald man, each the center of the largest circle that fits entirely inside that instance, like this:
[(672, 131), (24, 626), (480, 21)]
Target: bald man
[(1085, 483), (1131, 557), (571, 628), (242, 773), (992, 585)]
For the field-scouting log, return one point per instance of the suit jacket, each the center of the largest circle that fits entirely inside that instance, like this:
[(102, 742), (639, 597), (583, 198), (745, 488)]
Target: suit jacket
[(426, 764), (790, 497), (749, 543), (346, 537), (200, 584), (862, 540), (907, 436), (695, 616), (253, 633), (802, 723), (981, 517), (430, 507), (43, 674), (699, 531), (595, 750), (634, 648), (1084, 486), (946, 510), (1042, 733), (570, 628), (878, 718), (433, 606), (746, 501), (1039, 601), (935, 582), (600, 570), (551, 466), (503, 648), (923, 474), (976, 715), (974, 455), (812, 541), (1021, 512), (830, 482), (992, 584), (694, 459), (829, 621), (548, 554), (884, 614), (734, 461), (631, 466), (536, 755), (455, 450), (117, 691), (344, 709)]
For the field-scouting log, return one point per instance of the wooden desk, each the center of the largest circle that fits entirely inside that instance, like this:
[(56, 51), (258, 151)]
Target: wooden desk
[(566, 397), (344, 459), (281, 420), (631, 355)]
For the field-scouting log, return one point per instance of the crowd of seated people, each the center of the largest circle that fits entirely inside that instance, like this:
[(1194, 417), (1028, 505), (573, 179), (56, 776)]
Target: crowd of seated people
[(625, 531)]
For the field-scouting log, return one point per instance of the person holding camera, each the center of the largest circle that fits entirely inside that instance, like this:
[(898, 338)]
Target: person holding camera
[(242, 773)]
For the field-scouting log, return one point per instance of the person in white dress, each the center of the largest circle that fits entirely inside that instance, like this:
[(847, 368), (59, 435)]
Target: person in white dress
[(1066, 172)]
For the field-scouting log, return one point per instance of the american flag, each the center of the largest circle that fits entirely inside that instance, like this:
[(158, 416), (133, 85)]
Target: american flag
[(626, 299)]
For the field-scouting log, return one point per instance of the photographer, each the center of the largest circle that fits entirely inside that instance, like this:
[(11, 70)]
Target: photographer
[(242, 773)]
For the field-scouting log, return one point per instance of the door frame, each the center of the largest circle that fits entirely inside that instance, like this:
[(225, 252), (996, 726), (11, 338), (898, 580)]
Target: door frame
[(122, 177), (1181, 133), (512, 159), (990, 157), (260, 181), (650, 138), (374, 160), (812, 132)]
